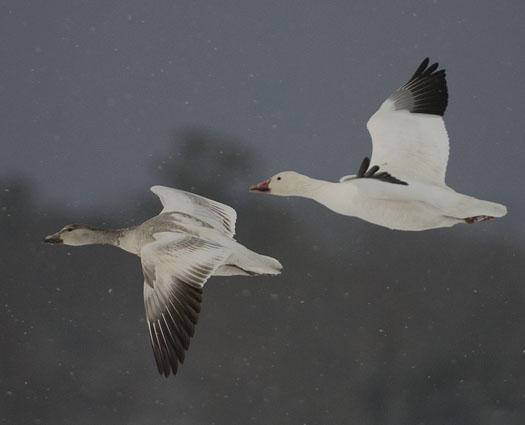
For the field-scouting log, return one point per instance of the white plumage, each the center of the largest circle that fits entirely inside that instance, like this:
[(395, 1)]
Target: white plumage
[(403, 186), (409, 146)]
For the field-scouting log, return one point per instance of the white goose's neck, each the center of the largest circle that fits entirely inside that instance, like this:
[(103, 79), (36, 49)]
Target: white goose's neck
[(335, 196), (311, 188)]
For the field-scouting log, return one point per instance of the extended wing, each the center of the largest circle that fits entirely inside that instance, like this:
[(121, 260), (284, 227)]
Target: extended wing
[(176, 266), (220, 216), (408, 133)]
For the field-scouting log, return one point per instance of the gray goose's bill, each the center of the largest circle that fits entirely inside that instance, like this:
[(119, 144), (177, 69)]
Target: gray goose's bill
[(53, 239)]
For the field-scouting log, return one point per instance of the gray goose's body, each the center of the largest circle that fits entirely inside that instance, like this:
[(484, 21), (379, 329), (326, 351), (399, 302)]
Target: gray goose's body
[(191, 240)]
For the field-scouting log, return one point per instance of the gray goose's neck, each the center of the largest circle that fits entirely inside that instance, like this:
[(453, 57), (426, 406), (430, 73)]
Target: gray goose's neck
[(106, 236)]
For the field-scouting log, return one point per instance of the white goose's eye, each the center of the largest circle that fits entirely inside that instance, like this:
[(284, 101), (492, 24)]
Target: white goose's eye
[(279, 178)]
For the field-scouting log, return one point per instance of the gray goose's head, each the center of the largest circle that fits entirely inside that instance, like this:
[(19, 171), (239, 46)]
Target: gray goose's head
[(74, 235)]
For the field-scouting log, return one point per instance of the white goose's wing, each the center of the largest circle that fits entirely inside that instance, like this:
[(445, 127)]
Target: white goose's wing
[(409, 138), (176, 266), (220, 216)]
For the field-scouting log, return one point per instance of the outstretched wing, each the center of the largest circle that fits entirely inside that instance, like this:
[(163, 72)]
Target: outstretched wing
[(176, 267), (220, 216), (408, 133)]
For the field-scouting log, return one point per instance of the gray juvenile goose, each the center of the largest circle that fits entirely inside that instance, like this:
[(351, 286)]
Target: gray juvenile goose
[(189, 241)]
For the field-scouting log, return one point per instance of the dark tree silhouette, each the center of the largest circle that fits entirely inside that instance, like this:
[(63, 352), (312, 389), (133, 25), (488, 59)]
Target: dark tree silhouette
[(364, 326)]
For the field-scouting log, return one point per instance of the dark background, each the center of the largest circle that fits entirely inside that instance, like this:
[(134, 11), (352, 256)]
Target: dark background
[(99, 101)]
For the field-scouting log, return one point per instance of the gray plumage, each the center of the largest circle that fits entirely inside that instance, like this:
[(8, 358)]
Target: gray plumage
[(191, 240)]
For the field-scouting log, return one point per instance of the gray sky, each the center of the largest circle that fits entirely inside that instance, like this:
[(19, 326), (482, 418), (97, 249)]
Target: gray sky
[(91, 92), (100, 100)]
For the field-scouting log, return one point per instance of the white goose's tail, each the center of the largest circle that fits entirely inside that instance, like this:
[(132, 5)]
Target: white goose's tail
[(492, 209), (466, 206)]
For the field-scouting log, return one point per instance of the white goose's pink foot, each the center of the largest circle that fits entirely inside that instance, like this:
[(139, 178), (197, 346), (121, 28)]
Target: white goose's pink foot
[(478, 218)]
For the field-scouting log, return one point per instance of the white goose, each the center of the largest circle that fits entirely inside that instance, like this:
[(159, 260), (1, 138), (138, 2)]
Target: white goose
[(405, 188), (189, 241)]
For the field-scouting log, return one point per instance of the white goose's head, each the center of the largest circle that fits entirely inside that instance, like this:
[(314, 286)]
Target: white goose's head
[(73, 234), (286, 183)]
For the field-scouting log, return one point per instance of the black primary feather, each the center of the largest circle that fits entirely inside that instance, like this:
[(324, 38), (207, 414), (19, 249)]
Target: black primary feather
[(372, 173), (364, 166), (425, 93)]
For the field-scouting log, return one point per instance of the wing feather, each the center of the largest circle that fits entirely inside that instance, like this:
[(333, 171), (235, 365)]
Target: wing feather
[(220, 216), (176, 266), (408, 133)]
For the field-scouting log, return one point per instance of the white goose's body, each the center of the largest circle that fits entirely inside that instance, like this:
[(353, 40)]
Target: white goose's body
[(405, 187), (191, 240), (417, 206)]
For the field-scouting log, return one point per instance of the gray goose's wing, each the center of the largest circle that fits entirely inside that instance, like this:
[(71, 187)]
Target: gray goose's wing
[(176, 266), (219, 216)]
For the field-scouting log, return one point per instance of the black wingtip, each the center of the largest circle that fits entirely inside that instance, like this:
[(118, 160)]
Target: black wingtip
[(426, 92), (431, 68), (425, 68), (421, 67)]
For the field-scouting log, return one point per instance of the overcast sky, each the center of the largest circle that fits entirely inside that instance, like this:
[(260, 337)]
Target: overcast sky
[(90, 92), (101, 100)]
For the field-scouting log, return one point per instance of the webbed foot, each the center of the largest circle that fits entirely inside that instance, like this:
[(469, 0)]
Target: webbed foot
[(478, 218)]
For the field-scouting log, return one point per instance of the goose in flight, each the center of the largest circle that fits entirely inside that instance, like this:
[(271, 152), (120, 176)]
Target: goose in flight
[(190, 240), (403, 186)]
